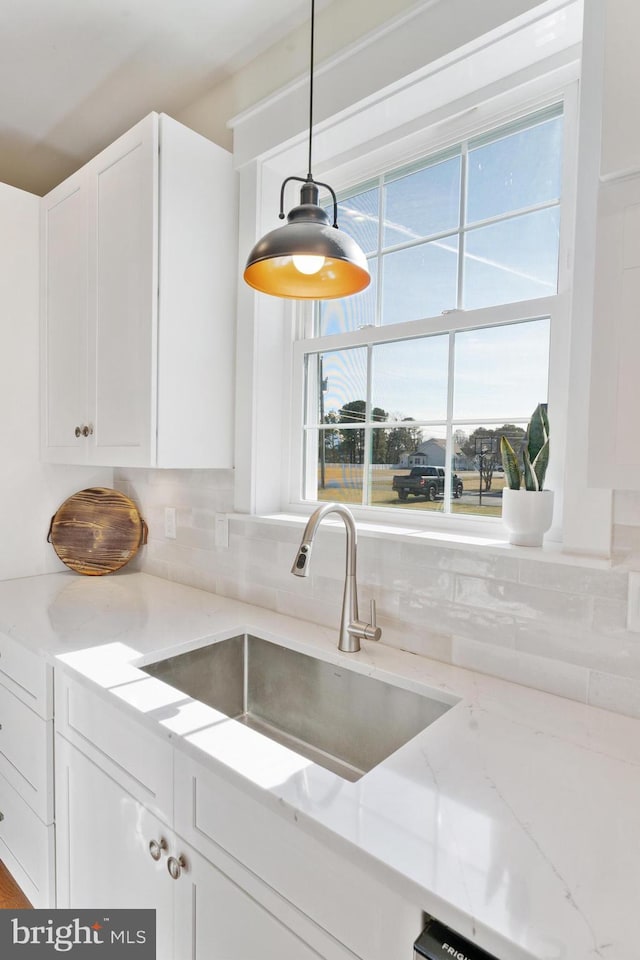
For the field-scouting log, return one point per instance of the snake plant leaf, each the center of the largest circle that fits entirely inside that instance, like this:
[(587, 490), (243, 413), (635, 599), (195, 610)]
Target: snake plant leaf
[(536, 449), (530, 477), (538, 431), (541, 463), (510, 464)]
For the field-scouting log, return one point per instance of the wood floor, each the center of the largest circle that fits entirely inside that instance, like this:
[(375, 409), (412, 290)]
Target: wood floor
[(11, 896)]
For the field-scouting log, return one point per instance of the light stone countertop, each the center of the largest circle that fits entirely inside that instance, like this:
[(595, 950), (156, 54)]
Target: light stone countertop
[(514, 818)]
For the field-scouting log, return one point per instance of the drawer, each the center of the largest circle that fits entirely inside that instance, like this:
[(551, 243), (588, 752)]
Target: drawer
[(27, 675), (137, 758), (26, 753), (27, 847), (345, 899)]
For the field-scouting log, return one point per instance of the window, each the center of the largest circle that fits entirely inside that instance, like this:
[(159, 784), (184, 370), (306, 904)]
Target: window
[(448, 348)]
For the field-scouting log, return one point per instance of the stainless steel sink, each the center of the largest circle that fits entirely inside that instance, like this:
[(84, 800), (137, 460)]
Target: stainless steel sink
[(340, 719)]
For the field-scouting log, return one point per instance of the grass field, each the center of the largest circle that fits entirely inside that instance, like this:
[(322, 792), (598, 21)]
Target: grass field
[(343, 483)]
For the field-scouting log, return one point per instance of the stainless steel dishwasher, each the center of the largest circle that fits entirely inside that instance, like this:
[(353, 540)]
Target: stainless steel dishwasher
[(437, 942)]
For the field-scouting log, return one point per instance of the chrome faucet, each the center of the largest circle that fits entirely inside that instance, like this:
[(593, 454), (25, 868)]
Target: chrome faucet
[(352, 628)]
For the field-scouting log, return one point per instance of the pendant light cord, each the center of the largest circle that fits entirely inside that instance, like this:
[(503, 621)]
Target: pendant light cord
[(310, 179), (313, 7)]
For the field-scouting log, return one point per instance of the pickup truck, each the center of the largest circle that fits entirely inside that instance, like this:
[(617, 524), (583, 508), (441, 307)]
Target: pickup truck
[(425, 482)]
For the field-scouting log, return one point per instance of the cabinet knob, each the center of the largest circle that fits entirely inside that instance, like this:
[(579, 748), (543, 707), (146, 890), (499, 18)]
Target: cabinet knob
[(156, 847), (87, 431), (1, 815), (78, 431), (175, 866)]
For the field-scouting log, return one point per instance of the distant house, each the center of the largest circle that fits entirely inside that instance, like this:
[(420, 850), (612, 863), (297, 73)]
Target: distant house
[(432, 453)]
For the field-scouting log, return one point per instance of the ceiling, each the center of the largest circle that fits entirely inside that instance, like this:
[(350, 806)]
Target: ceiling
[(74, 74)]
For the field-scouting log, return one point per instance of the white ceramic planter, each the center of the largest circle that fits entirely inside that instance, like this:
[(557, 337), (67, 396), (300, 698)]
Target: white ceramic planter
[(527, 515)]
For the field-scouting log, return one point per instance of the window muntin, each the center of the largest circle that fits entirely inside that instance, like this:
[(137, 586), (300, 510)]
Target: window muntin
[(447, 395)]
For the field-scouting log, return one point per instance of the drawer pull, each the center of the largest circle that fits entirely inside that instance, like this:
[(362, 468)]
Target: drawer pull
[(175, 866), (156, 848)]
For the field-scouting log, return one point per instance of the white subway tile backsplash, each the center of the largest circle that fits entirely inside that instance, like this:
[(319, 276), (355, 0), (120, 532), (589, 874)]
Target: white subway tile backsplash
[(415, 639), (558, 625), (618, 653), (610, 616), (246, 591), (565, 680), (314, 609), (523, 601), (576, 580)]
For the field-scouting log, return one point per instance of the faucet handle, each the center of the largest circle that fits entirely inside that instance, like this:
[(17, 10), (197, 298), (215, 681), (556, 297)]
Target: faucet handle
[(372, 630)]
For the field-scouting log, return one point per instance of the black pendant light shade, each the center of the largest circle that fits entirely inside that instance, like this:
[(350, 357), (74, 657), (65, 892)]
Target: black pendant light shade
[(309, 258)]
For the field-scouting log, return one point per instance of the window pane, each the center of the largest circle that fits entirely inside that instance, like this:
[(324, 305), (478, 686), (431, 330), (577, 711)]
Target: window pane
[(501, 371), (422, 203), (477, 466), (415, 457), (515, 172), (420, 281), (410, 378), (513, 260), (358, 216), (351, 313), (339, 378), (340, 465)]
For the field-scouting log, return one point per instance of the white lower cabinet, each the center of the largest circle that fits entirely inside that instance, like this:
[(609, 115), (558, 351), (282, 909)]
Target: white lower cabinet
[(114, 852), (103, 837), (26, 771), (216, 919)]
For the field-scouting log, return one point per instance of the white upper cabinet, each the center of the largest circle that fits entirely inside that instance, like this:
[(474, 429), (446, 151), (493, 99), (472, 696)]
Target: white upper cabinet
[(138, 304), (64, 358)]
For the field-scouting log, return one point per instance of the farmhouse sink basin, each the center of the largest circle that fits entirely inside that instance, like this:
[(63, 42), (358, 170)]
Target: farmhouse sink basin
[(335, 717)]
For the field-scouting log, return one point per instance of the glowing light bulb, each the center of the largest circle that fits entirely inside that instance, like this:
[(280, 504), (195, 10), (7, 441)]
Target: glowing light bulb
[(308, 264)]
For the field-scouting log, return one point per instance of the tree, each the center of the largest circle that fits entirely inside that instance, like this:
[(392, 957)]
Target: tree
[(487, 461), (352, 441), (402, 440)]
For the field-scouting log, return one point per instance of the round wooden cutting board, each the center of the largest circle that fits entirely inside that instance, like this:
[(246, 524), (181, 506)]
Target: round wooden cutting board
[(97, 531)]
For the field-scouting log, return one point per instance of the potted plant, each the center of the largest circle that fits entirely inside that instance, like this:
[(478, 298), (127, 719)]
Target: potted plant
[(527, 511)]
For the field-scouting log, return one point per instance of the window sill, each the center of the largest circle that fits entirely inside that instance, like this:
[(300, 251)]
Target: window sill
[(495, 542)]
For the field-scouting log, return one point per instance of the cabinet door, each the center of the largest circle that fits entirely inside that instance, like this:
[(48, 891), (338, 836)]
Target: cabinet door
[(215, 917), (102, 846), (124, 228), (64, 321)]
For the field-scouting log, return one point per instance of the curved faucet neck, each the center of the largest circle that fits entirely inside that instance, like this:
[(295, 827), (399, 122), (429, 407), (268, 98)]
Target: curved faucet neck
[(316, 519), (351, 627)]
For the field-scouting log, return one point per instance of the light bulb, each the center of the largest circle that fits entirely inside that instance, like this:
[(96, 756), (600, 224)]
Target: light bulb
[(307, 264)]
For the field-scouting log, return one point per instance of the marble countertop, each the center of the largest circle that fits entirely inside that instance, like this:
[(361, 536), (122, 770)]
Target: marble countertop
[(515, 817)]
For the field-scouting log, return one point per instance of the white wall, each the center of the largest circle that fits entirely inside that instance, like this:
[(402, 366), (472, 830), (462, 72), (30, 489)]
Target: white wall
[(30, 492)]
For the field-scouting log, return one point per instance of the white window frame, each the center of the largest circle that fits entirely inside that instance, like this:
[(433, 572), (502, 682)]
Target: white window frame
[(542, 92), (386, 90)]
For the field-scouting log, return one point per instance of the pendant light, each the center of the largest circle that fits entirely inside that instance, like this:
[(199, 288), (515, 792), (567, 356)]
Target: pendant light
[(309, 258)]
